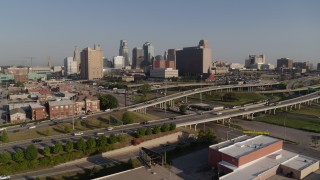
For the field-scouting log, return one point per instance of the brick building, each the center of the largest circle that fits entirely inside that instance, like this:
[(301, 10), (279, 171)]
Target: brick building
[(258, 157), (87, 104), (17, 115), (37, 112), (60, 109), (41, 90)]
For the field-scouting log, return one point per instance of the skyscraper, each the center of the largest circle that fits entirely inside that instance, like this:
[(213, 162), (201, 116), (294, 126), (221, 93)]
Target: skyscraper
[(137, 58), (193, 60), (284, 63), (76, 58), (148, 52), (92, 63), (70, 66), (171, 56), (124, 51)]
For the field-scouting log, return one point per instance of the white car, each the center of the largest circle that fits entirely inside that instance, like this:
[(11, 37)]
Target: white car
[(110, 128), (4, 177), (106, 110), (78, 134), (84, 117)]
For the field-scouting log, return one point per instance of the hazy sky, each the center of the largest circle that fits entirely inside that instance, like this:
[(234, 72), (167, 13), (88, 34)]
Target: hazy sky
[(234, 29)]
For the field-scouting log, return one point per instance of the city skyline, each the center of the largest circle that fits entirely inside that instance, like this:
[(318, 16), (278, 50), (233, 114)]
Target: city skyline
[(277, 29)]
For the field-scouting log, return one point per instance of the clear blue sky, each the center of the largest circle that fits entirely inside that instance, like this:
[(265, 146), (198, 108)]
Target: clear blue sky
[(235, 29)]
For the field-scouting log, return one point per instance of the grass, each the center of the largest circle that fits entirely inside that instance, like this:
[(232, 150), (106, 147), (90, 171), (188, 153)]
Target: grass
[(137, 117), (140, 98), (242, 98), (307, 124), (310, 110)]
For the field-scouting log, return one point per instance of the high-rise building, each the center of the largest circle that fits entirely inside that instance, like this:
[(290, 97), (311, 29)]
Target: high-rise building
[(148, 52), (91, 63), (171, 56), (70, 66), (255, 61), (284, 63), (118, 62), (303, 65), (193, 60), (124, 51), (318, 67), (137, 58), (76, 58)]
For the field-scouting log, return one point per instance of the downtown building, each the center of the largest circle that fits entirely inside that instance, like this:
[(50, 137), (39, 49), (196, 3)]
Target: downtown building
[(70, 66), (193, 61), (124, 51), (255, 61), (137, 58), (92, 63)]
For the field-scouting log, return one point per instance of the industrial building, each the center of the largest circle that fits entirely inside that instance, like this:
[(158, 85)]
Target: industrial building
[(258, 157)]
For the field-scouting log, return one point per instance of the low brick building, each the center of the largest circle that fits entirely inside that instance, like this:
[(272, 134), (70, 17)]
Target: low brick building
[(38, 112), (91, 104), (60, 109)]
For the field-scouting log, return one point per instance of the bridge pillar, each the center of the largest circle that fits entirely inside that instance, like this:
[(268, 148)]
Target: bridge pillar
[(299, 105), (252, 116), (274, 111), (186, 99), (195, 127)]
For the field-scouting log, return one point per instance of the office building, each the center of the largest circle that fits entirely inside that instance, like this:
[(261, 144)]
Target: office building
[(118, 62), (163, 64), (148, 51), (302, 65), (70, 66), (258, 157), (163, 73), (124, 51), (91, 63), (193, 61), (76, 58), (284, 63), (255, 61), (137, 58), (318, 67)]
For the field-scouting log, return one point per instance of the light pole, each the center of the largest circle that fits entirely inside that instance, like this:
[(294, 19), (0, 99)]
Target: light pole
[(201, 89), (165, 99), (73, 113)]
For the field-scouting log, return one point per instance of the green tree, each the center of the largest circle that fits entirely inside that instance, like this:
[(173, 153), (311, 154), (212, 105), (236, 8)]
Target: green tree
[(4, 136), (31, 152), (102, 141), (91, 143), (172, 126), (81, 145), (5, 157), (126, 118), (156, 129), (148, 131), (46, 151), (107, 101), (140, 132), (144, 89), (112, 139), (18, 156), (67, 129), (183, 109), (69, 146), (165, 127), (57, 148)]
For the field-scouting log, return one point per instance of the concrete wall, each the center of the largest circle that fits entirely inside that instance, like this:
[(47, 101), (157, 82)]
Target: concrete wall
[(267, 174), (312, 168)]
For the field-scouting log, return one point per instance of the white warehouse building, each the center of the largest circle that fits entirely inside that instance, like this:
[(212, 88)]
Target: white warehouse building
[(163, 73)]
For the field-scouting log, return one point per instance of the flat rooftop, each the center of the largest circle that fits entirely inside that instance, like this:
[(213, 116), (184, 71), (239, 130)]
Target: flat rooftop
[(241, 148), (253, 169), (300, 162), (154, 173)]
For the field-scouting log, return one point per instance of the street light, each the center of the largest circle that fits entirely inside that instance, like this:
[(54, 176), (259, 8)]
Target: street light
[(201, 89)]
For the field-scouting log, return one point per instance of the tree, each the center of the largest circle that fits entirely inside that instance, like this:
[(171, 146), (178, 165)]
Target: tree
[(107, 101), (46, 151), (5, 157), (165, 127), (4, 136), (140, 132), (31, 152), (81, 145), (18, 156), (172, 126), (102, 141), (156, 129), (57, 148), (183, 109), (144, 89), (148, 131), (67, 129), (91, 143), (69, 146), (112, 139), (126, 118)]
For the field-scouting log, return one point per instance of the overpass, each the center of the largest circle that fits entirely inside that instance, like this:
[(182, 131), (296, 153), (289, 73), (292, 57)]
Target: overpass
[(310, 89), (249, 112), (163, 101)]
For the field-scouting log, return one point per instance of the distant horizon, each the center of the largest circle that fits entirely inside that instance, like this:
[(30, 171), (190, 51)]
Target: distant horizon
[(234, 30)]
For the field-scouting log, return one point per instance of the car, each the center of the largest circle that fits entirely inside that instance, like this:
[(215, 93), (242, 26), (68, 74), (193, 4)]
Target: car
[(32, 127), (4, 177), (84, 117), (145, 122), (110, 128), (78, 134), (243, 109), (173, 118), (36, 140), (107, 110), (217, 113)]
